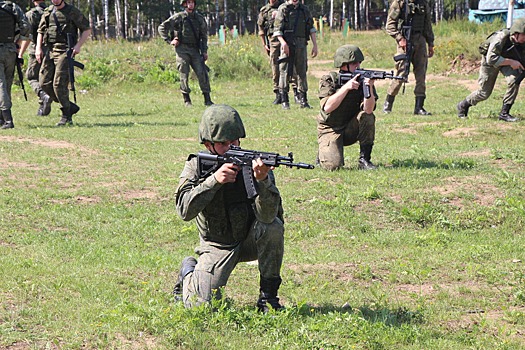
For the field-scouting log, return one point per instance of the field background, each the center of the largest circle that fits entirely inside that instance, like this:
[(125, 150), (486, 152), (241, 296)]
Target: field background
[(424, 253)]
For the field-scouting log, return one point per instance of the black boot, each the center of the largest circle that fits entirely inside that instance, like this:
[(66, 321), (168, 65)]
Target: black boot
[(277, 100), (505, 114), (419, 110), (284, 100), (268, 295), (45, 104), (2, 121), (8, 120), (66, 118), (187, 266), (463, 107), (365, 156), (296, 96), (187, 100), (304, 100), (389, 103), (207, 99)]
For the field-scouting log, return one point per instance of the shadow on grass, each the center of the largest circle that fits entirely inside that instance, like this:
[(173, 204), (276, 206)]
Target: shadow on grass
[(391, 317), (460, 163)]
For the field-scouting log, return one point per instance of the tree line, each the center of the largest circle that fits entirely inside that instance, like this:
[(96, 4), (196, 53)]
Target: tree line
[(139, 19)]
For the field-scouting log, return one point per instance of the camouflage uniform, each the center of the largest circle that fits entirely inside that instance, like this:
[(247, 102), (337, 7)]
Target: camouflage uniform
[(54, 74), (13, 22), (295, 25), (33, 66), (232, 229), (192, 31), (421, 35), (344, 126), (495, 49), (265, 22)]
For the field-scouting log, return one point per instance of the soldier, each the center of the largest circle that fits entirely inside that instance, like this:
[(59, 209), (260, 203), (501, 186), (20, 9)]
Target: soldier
[(232, 227), (33, 66), (293, 28), (502, 52), (272, 46), (13, 29), (187, 31), (59, 20), (346, 115), (421, 35)]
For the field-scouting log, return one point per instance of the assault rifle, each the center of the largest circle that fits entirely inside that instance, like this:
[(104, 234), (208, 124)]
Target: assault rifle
[(209, 163), (72, 63), (406, 57), (344, 77), (19, 63)]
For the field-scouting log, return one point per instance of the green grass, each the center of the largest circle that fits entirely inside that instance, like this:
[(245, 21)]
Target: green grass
[(425, 253)]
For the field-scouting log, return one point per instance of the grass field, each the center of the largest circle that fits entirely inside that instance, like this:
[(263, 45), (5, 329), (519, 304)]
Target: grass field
[(424, 253)]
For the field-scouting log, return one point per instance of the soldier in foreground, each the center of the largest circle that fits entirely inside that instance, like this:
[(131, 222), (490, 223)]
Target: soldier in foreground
[(502, 52), (13, 23), (33, 66), (409, 22), (187, 31), (58, 21), (347, 115), (232, 227)]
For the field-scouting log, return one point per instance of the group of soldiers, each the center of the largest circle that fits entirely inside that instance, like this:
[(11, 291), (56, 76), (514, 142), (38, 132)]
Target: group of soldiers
[(49, 34)]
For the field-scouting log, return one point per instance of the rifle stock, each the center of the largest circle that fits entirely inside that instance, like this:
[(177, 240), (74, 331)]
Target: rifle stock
[(209, 163), (19, 63)]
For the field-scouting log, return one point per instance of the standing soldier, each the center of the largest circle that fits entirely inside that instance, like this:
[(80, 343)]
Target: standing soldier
[(59, 20), (502, 52), (187, 31), (33, 66), (293, 28), (13, 22), (347, 115), (416, 15)]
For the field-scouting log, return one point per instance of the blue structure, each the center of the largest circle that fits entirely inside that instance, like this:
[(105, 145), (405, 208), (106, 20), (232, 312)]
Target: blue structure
[(489, 10)]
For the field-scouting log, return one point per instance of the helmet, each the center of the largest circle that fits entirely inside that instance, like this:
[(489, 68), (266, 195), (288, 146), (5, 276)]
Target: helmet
[(347, 54), (518, 26), (220, 123), (182, 2)]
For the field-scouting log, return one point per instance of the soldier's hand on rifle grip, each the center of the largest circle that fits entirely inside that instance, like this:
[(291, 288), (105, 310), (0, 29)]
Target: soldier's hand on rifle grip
[(175, 42), (285, 48), (403, 44), (260, 170), (226, 173), (515, 64), (205, 56)]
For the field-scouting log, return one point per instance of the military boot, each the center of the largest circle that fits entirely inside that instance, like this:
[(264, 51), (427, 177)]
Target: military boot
[(389, 103), (418, 109), (187, 266), (285, 103), (364, 158), (463, 107), (268, 295), (187, 100), (277, 100), (2, 121), (207, 99), (304, 100), (67, 116), (296, 96), (8, 119), (505, 114), (45, 104)]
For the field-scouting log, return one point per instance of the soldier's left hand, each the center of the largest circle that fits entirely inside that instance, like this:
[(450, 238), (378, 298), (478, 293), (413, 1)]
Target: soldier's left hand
[(260, 170), (314, 51), (430, 51), (205, 56)]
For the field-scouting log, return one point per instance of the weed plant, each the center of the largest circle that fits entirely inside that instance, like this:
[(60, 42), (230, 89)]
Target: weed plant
[(424, 253)]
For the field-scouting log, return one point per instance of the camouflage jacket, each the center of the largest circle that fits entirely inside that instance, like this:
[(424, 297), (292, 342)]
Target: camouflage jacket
[(223, 212), (178, 26), (266, 18), (285, 22), (420, 12), (34, 16), (16, 25), (500, 45), (68, 19)]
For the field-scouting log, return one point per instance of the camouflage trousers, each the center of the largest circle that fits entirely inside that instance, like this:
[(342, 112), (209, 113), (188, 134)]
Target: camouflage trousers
[(300, 68), (264, 243), (188, 56), (54, 77), (7, 74), (488, 75), (332, 140), (33, 73), (419, 67), (275, 52)]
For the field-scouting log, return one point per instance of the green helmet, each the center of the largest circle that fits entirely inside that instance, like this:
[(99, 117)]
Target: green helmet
[(518, 26), (347, 54), (220, 123)]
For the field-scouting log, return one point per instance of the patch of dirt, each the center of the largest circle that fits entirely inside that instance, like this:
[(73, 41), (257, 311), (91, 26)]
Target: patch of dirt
[(4, 164), (56, 144), (461, 132), (479, 153), (484, 192)]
